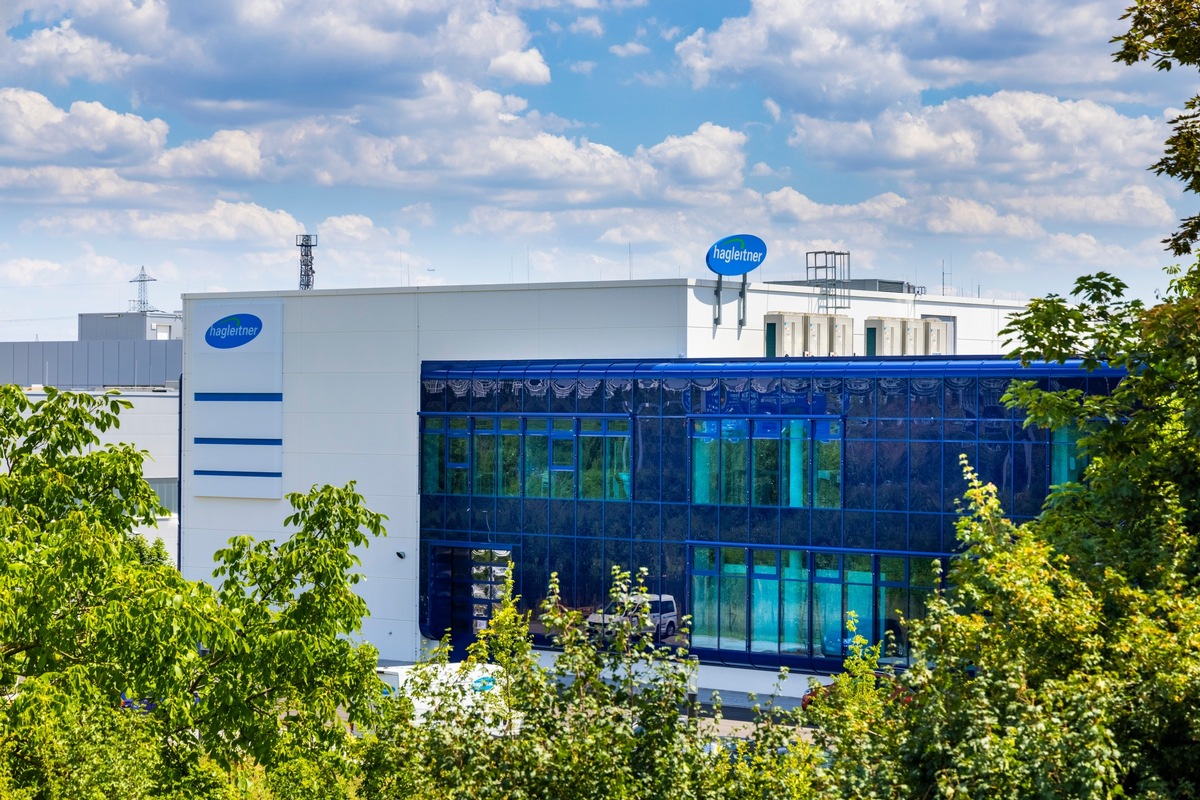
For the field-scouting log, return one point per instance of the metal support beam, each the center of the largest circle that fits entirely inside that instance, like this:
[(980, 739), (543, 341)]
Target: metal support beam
[(717, 309), (742, 303)]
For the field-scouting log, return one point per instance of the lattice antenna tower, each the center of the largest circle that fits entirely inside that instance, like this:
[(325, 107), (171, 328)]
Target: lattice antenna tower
[(829, 270), (306, 242), (143, 301)]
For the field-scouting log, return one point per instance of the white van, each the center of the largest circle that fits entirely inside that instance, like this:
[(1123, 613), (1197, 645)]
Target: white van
[(467, 686), (664, 616)]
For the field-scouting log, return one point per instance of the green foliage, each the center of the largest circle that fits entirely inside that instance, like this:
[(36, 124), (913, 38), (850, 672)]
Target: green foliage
[(70, 747), (1167, 32), (611, 716), (1131, 534), (258, 674)]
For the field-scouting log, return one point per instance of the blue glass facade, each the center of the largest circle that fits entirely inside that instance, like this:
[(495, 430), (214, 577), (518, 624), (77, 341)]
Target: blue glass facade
[(773, 499)]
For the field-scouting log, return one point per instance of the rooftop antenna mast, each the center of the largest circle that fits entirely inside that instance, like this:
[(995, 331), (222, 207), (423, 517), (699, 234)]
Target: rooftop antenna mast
[(143, 302), (306, 242)]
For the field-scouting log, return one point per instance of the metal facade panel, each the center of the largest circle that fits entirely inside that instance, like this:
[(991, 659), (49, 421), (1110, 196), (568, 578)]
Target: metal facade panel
[(95, 363), (62, 364), (127, 363), (111, 362), (79, 363), (6, 362), (173, 359), (157, 355), (34, 365)]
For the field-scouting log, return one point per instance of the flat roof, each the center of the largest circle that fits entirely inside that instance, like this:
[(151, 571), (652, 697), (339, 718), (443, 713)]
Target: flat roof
[(860, 366)]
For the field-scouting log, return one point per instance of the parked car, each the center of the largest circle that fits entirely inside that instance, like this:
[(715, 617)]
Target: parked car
[(661, 608)]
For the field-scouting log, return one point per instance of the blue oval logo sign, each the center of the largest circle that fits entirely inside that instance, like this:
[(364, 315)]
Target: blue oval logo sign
[(736, 255), (233, 331)]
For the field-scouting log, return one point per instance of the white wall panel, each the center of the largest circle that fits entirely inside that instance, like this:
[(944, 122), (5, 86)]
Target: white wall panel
[(350, 371)]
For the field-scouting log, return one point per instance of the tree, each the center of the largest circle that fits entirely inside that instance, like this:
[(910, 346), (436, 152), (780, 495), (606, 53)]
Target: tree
[(1167, 32), (610, 717), (253, 671), (1131, 530)]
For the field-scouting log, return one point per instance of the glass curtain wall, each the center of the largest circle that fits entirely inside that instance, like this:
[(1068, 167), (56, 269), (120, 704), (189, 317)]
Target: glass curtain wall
[(773, 501)]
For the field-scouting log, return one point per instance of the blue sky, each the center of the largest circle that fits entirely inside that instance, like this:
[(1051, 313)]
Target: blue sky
[(476, 141)]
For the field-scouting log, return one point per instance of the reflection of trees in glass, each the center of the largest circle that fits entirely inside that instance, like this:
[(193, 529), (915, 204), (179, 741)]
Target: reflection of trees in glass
[(704, 611), (618, 465), (537, 464), (433, 463), (765, 467), (591, 467), (828, 456), (510, 464), (733, 461), (705, 461), (456, 465), (485, 464)]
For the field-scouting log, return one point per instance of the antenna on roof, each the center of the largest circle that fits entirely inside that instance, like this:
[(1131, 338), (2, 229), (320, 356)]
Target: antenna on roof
[(143, 302), (306, 242)]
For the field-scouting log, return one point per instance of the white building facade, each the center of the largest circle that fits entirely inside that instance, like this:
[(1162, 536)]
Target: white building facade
[(285, 390)]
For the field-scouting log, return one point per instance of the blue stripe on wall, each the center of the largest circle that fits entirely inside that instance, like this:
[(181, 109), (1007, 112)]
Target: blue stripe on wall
[(231, 473), (222, 440), (239, 397)]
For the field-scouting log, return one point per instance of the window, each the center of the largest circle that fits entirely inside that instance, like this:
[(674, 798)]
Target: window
[(537, 459), (484, 440), (1066, 464), (604, 459), (562, 458), (773, 462), (433, 455), (167, 490), (458, 456), (510, 457), (798, 603)]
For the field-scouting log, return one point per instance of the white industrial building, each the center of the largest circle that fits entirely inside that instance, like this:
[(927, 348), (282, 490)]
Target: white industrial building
[(284, 390)]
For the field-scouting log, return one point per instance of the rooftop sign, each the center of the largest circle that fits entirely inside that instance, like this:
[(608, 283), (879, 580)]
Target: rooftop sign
[(736, 255)]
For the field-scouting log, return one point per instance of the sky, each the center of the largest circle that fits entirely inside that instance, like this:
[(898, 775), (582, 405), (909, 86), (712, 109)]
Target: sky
[(988, 147)]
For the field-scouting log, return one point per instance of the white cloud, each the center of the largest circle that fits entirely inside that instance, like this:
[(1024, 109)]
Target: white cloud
[(1016, 137), (248, 223), (1084, 247), (1140, 206), (28, 271), (526, 66), (227, 154), (849, 58), (490, 220), (790, 204), (357, 233), (62, 54), (955, 215), (772, 109), (422, 214), (70, 186), (583, 67), (629, 49), (32, 129), (589, 25), (712, 155)]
